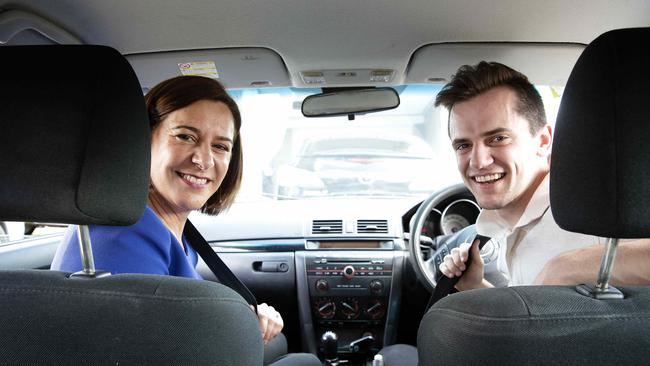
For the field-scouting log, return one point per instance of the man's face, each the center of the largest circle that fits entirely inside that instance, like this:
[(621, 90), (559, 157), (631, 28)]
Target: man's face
[(500, 161)]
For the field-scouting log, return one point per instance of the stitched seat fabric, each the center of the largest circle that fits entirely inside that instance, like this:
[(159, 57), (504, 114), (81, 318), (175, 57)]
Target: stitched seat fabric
[(75, 143), (599, 186)]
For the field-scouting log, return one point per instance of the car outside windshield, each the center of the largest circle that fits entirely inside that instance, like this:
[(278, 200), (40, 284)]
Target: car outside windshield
[(400, 153), (404, 152)]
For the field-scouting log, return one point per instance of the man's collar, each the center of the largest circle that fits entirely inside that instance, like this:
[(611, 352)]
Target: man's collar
[(490, 223), (537, 205)]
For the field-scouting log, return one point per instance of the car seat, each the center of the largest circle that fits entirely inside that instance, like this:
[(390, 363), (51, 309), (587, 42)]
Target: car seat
[(74, 148), (598, 186)]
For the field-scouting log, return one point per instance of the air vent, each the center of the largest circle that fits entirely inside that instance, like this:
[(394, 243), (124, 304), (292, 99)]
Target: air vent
[(327, 227), (372, 226)]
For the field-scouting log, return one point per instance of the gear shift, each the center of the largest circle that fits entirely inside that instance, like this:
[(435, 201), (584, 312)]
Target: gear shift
[(329, 340)]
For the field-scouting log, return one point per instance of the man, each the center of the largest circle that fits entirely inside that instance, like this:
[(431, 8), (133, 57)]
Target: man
[(498, 129)]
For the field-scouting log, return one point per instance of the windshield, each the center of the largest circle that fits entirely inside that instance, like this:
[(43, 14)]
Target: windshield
[(404, 152), (396, 153)]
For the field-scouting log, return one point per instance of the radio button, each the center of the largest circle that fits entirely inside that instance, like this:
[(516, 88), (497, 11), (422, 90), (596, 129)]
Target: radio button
[(376, 287), (322, 285), (348, 272)]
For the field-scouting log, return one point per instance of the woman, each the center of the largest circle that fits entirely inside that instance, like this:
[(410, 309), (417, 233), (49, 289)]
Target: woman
[(196, 164)]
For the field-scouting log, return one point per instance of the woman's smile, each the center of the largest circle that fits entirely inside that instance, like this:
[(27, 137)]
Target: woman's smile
[(194, 181)]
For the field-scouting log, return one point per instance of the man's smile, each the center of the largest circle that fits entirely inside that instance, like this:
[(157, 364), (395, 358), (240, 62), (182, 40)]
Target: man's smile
[(488, 178)]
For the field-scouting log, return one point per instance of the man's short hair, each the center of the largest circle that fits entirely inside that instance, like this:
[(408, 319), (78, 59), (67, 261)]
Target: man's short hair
[(470, 81)]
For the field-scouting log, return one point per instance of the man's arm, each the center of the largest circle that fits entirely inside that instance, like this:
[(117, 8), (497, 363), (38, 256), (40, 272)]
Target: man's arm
[(582, 265)]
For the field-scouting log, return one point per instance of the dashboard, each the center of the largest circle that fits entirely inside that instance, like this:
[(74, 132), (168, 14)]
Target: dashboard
[(345, 261), (327, 265), (336, 265)]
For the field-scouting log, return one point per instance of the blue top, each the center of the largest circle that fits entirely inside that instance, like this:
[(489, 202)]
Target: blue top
[(145, 247)]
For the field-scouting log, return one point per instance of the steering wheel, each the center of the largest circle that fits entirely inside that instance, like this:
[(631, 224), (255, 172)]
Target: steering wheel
[(426, 269)]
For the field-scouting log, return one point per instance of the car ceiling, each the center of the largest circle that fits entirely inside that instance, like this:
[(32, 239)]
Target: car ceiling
[(332, 34)]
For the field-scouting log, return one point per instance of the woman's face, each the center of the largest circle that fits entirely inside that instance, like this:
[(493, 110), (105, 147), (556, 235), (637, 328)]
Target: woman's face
[(190, 154)]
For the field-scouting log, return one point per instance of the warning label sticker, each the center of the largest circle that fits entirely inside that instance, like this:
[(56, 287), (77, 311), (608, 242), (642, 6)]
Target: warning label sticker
[(199, 68)]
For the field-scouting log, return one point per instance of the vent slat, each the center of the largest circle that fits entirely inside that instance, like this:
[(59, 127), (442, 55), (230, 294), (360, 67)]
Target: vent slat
[(372, 226), (327, 227)]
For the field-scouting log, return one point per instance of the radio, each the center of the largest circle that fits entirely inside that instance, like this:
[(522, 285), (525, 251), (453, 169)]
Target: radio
[(349, 289), (345, 277)]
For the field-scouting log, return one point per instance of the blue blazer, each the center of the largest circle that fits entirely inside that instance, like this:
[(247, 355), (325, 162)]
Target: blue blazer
[(145, 247)]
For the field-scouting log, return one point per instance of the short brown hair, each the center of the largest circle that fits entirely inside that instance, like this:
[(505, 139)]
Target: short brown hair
[(470, 81), (181, 91)]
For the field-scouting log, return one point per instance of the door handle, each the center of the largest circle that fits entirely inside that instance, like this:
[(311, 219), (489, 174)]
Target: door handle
[(270, 266)]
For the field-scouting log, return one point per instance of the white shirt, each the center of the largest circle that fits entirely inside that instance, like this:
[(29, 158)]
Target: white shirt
[(533, 240)]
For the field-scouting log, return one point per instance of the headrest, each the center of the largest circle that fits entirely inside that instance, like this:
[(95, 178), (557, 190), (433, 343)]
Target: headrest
[(74, 140), (600, 166)]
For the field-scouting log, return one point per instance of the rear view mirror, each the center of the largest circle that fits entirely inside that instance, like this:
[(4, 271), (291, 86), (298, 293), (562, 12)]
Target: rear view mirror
[(350, 102)]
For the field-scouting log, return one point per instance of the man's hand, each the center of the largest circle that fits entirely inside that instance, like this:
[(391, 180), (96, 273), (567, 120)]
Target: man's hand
[(453, 265), (270, 322)]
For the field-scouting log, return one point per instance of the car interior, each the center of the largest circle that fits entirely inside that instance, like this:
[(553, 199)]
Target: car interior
[(351, 196)]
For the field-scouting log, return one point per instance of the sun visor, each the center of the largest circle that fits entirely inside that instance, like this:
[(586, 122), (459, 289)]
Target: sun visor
[(233, 67), (18, 27), (543, 63)]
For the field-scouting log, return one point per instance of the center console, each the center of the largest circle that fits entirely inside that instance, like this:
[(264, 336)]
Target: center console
[(349, 292)]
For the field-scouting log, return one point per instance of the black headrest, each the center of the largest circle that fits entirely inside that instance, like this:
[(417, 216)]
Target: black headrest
[(600, 166), (74, 136)]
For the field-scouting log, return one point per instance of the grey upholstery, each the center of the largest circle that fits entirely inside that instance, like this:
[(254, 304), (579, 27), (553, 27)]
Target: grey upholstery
[(542, 325), (600, 170), (49, 319), (74, 148), (74, 145), (599, 185)]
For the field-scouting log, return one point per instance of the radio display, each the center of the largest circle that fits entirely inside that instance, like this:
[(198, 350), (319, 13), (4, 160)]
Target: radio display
[(350, 244)]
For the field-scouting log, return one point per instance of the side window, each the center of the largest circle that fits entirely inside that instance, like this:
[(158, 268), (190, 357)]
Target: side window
[(28, 245), (12, 231)]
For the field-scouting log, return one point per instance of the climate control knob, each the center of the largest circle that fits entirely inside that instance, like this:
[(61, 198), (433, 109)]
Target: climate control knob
[(375, 309), (376, 287), (322, 285), (349, 308), (325, 308), (348, 272)]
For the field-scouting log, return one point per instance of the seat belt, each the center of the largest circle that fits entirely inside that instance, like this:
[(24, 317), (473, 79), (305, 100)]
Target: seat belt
[(216, 265), (445, 285)]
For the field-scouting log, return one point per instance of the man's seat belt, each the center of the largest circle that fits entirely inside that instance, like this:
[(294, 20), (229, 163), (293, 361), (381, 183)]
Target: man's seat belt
[(445, 285)]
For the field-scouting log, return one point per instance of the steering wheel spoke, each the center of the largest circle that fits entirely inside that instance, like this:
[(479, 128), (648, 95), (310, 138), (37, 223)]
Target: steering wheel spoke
[(431, 267)]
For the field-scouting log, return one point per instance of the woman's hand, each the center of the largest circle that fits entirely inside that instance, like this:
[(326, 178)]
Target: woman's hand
[(270, 321)]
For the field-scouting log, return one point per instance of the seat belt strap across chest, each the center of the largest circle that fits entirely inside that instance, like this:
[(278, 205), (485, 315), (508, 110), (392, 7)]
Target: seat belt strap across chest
[(216, 265)]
